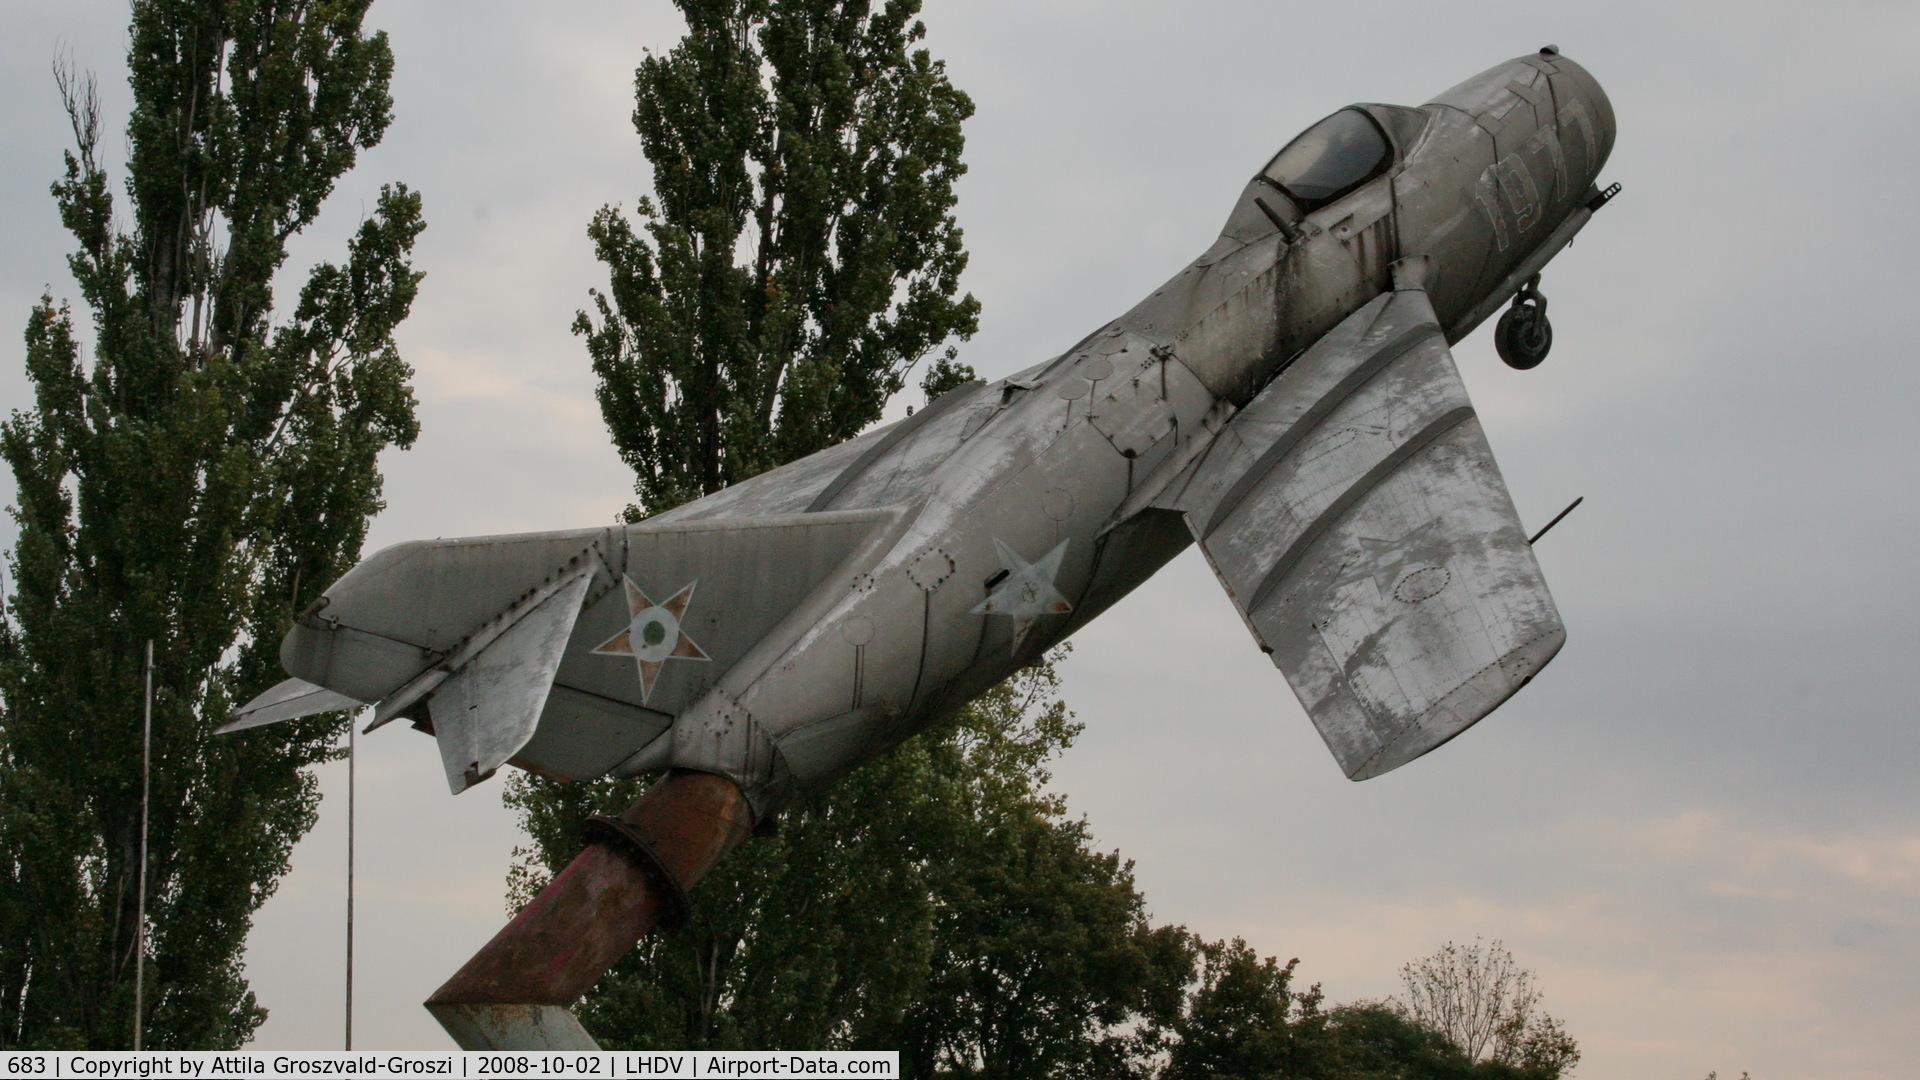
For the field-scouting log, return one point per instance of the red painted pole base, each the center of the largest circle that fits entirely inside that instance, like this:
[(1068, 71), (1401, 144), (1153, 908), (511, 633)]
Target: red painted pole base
[(514, 993)]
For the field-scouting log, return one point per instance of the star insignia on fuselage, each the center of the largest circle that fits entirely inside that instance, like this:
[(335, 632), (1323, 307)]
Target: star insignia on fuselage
[(1385, 561), (1027, 592), (653, 634)]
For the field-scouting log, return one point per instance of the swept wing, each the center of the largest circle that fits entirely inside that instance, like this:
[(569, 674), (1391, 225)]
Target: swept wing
[(1354, 513)]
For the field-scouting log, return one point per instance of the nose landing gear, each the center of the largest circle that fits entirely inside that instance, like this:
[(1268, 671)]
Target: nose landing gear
[(1523, 336)]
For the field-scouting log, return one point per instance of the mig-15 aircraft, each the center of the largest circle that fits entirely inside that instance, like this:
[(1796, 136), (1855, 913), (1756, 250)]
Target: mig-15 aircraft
[(1287, 402)]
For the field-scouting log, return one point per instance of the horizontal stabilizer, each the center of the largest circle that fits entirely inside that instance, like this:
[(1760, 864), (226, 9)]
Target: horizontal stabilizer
[(289, 700), (1355, 514), (566, 652)]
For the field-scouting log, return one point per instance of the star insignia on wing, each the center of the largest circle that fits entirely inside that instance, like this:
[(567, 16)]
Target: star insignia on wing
[(1027, 592), (653, 634), (1385, 561)]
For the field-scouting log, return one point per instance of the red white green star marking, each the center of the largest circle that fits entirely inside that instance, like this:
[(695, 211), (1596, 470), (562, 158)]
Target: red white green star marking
[(653, 634)]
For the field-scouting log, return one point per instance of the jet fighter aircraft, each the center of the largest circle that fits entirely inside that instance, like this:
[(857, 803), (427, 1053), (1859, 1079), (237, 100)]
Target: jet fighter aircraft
[(1287, 402)]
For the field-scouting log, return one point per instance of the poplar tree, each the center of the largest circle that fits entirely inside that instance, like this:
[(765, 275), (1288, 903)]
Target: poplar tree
[(192, 479), (799, 252), (797, 258)]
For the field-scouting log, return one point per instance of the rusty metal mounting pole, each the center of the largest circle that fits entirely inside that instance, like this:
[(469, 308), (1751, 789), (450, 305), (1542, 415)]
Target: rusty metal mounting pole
[(633, 876)]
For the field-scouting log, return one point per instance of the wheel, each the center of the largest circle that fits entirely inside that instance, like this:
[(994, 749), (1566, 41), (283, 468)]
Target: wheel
[(1523, 336)]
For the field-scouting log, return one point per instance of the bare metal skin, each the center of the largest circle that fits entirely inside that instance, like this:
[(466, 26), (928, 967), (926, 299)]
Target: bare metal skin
[(1287, 400)]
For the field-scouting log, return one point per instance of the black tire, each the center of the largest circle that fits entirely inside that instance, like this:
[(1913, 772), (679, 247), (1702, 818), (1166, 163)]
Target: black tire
[(1523, 337)]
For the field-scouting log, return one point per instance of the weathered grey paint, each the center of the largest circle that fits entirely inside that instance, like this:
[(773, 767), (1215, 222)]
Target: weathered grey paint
[(1287, 398), (286, 701), (1355, 514), (487, 709)]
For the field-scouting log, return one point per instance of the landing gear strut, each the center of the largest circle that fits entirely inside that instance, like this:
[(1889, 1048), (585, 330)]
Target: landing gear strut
[(1523, 334)]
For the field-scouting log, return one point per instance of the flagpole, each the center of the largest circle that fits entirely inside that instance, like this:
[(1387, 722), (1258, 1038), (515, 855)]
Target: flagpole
[(352, 719), (140, 904)]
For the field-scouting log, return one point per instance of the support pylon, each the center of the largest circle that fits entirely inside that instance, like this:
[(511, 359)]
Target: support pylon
[(633, 875)]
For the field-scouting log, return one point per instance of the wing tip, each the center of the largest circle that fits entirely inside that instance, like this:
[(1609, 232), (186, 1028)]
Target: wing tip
[(1465, 706)]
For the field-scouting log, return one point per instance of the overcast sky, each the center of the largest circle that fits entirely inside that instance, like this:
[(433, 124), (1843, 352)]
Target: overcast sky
[(1699, 825)]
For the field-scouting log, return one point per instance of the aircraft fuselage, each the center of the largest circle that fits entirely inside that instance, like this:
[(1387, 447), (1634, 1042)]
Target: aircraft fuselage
[(1025, 506)]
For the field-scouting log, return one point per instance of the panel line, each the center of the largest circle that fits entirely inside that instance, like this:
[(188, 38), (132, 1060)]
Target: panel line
[(888, 441), (1337, 509), (1310, 420)]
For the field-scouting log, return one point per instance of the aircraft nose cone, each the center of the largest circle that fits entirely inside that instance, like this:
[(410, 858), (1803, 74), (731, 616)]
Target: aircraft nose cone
[(1581, 110), (1599, 106)]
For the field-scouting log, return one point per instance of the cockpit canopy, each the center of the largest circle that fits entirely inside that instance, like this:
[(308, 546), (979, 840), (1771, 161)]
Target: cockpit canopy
[(1330, 159)]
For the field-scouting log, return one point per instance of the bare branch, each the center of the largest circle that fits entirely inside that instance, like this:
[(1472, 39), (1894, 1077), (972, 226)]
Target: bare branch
[(1480, 999), (80, 96)]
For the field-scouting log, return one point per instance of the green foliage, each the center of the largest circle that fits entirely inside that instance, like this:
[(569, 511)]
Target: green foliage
[(945, 374), (1244, 1021), (799, 253), (1372, 1041), (202, 478), (936, 901)]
